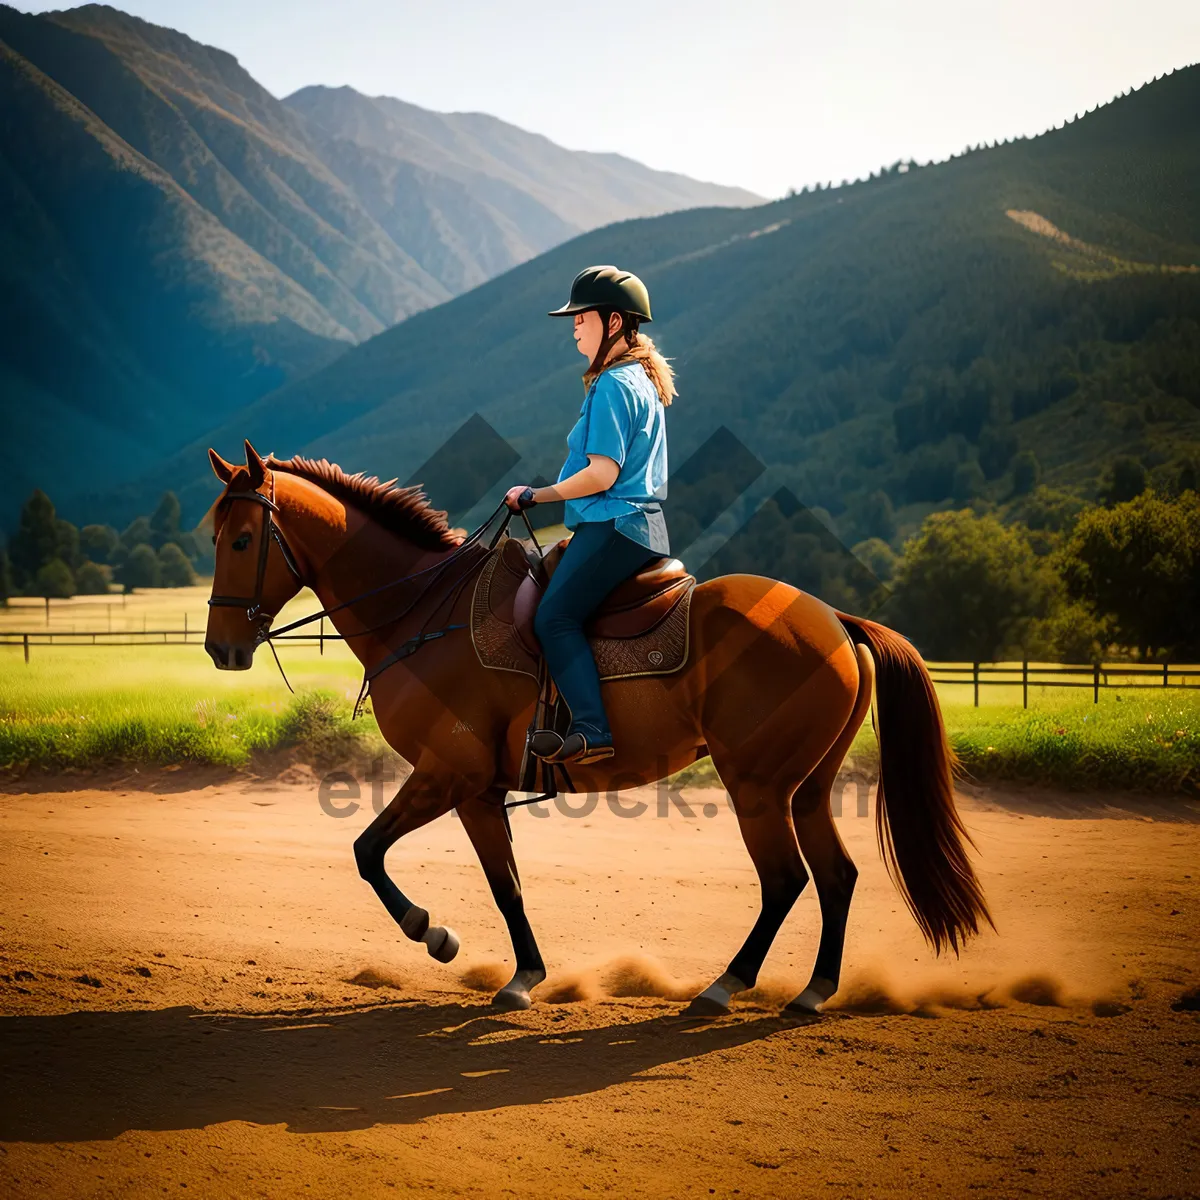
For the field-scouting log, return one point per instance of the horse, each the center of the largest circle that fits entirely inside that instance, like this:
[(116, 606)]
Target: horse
[(775, 686)]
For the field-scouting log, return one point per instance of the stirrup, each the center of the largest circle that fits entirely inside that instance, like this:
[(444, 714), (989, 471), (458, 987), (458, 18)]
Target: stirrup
[(575, 749)]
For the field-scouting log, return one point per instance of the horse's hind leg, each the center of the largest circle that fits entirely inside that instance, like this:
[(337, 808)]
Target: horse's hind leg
[(483, 819), (765, 821), (835, 874), (833, 871), (786, 742)]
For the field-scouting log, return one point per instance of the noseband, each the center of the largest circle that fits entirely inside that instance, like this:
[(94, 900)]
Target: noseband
[(270, 533)]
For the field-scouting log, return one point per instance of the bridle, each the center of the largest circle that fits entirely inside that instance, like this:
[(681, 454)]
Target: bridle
[(270, 533)]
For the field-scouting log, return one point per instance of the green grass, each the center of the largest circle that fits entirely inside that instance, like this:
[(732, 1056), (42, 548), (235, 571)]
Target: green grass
[(1147, 741), (84, 707), (143, 705)]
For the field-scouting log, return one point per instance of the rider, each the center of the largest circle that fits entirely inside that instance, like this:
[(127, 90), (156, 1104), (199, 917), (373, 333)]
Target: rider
[(613, 482)]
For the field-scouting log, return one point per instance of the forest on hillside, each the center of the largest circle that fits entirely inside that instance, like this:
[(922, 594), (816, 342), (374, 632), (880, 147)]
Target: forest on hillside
[(931, 337)]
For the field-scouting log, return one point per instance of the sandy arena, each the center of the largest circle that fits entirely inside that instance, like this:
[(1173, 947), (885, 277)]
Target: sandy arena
[(200, 993)]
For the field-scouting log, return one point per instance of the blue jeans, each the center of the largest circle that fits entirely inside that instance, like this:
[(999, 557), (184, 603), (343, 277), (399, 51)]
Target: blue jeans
[(596, 559)]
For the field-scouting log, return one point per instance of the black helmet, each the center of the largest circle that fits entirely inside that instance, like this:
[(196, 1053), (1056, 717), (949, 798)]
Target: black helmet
[(607, 287)]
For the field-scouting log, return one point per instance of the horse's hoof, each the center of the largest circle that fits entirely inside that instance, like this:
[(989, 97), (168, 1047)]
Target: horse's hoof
[(511, 999), (514, 995), (706, 1006), (441, 942), (806, 1004), (714, 1000), (798, 1008)]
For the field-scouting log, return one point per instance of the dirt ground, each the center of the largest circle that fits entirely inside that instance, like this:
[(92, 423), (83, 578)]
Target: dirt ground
[(198, 992)]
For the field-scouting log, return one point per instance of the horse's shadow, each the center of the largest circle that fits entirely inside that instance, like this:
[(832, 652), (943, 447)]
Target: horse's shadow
[(93, 1075)]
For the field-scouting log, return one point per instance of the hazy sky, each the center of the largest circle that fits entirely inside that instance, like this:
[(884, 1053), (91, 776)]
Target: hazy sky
[(768, 94)]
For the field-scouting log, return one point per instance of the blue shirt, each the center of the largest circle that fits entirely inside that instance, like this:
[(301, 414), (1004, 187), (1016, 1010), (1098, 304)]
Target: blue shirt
[(623, 419)]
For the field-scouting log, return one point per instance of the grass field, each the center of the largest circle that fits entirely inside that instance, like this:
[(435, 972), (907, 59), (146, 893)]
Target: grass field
[(78, 705), (85, 706)]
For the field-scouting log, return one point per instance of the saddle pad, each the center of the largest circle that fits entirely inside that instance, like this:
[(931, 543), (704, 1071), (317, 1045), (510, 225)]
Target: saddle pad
[(661, 650)]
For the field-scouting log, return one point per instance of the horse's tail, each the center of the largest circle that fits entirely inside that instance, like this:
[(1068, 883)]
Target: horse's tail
[(920, 834)]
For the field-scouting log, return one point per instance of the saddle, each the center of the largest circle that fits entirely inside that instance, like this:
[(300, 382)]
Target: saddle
[(640, 629)]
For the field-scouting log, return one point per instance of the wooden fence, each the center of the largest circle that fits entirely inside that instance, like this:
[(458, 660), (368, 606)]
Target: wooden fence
[(1097, 676), (62, 638)]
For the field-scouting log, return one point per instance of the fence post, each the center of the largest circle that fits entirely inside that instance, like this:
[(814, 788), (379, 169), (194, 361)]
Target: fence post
[(185, 627), (47, 612), (1025, 683), (1095, 683), (1165, 670), (26, 643), (975, 680), (322, 636)]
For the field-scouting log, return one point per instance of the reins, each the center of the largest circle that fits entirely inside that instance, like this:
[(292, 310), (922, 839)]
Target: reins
[(272, 533)]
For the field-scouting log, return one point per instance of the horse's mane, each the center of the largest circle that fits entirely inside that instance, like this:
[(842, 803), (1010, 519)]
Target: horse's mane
[(404, 510)]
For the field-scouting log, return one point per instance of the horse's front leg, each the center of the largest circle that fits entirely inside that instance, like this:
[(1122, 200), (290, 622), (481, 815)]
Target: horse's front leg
[(483, 819), (423, 797)]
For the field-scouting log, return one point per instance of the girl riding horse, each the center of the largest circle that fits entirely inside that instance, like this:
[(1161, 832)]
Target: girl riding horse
[(613, 482)]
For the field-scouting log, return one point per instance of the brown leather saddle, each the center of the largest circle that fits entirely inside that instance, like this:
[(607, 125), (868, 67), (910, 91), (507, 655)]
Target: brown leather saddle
[(640, 629)]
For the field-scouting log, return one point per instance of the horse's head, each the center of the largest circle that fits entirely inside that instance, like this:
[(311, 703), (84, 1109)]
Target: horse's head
[(255, 574)]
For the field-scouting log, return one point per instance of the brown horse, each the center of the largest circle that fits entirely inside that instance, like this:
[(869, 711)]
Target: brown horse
[(776, 685)]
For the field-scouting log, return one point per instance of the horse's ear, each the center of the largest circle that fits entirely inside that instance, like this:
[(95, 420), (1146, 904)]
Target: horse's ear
[(255, 465), (221, 469)]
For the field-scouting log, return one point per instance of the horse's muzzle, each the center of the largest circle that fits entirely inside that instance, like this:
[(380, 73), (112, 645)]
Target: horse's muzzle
[(227, 657)]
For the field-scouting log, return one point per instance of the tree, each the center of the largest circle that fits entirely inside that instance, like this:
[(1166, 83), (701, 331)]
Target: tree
[(140, 568), (969, 587), (92, 579), (1188, 478), (1072, 633), (1026, 471), (996, 449), (97, 542), (36, 541), (1052, 509), (54, 581), (1140, 563), (968, 482), (164, 523), (1124, 478), (871, 516), (174, 568), (878, 557), (137, 532), (67, 543), (930, 475)]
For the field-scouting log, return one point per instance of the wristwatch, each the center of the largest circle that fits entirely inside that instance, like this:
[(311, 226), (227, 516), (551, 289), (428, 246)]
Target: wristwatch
[(525, 499)]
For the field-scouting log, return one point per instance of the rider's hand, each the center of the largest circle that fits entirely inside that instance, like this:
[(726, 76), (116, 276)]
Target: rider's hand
[(513, 495)]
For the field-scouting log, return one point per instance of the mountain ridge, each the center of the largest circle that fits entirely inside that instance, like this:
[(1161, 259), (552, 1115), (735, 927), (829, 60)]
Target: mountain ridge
[(900, 336), (199, 242)]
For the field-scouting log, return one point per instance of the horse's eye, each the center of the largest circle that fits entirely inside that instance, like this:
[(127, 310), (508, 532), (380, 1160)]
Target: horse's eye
[(242, 542)]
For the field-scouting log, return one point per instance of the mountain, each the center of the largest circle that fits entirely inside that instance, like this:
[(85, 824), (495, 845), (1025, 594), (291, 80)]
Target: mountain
[(520, 194), (908, 342), (177, 241)]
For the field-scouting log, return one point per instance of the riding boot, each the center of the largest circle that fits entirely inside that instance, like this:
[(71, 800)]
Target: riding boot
[(575, 748)]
